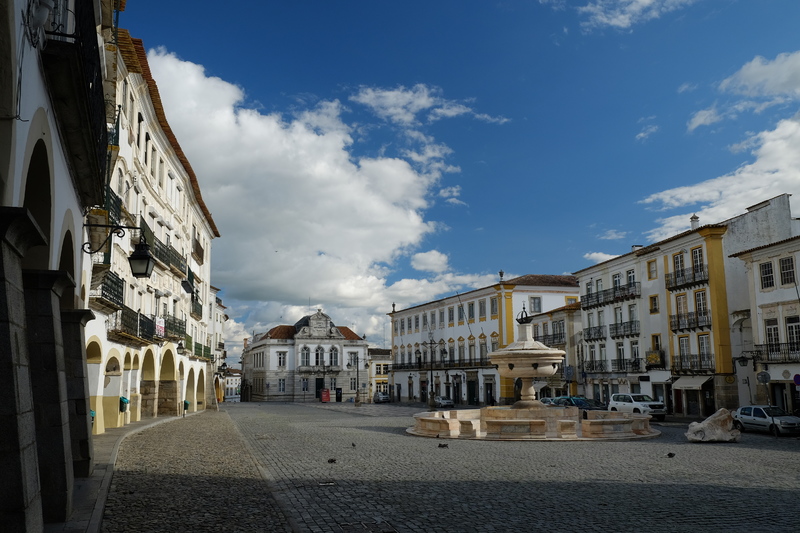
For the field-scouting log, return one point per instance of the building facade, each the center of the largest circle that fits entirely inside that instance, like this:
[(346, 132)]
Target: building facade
[(774, 321), (668, 319), (379, 361), (441, 348), (561, 328), (150, 349), (301, 362)]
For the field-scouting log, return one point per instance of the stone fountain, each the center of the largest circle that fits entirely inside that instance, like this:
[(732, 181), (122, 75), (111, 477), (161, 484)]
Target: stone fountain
[(527, 359), (529, 419)]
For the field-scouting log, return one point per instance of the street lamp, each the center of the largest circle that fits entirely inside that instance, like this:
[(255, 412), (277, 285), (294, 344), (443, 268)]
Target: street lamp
[(755, 356), (140, 260), (432, 347)]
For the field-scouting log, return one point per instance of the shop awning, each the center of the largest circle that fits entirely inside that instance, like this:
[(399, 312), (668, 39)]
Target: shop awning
[(690, 382)]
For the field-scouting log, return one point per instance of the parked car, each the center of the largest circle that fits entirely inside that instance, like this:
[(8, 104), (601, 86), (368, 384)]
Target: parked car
[(547, 401), (584, 404), (637, 403), (380, 397), (765, 418), (443, 401)]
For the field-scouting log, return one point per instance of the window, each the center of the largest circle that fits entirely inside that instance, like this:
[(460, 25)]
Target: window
[(793, 332), (334, 356), (441, 318), (677, 264), (493, 306), (319, 356), (353, 384), (396, 327), (481, 308), (402, 326), (654, 304), (471, 310), (304, 384), (333, 383), (544, 329), (536, 332), (416, 322), (471, 352), (787, 270), (603, 352), (409, 324), (616, 280), (697, 259), (461, 352), (704, 344), (634, 349), (281, 359), (281, 385), (700, 303), (572, 300), (536, 304), (305, 356), (656, 342), (424, 321), (450, 315), (771, 331), (618, 315), (652, 269), (681, 305), (620, 350), (632, 314), (601, 320), (767, 277), (484, 352), (683, 345), (598, 285), (631, 277), (433, 319), (460, 313)]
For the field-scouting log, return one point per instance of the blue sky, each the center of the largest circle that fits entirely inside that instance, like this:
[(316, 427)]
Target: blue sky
[(359, 153)]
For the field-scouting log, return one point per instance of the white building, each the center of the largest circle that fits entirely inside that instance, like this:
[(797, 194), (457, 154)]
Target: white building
[(300, 362), (149, 350), (775, 322), (561, 328), (441, 348), (233, 385), (668, 319), (378, 364)]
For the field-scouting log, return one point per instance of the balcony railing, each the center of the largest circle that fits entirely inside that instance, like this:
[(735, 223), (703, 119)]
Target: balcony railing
[(130, 327), (197, 251), (553, 340), (690, 321), (592, 365), (443, 365), (693, 362), (785, 352), (176, 261), (174, 328), (72, 64), (220, 346), (686, 277), (614, 294), (627, 365), (594, 333), (197, 309), (655, 360), (109, 294), (624, 329)]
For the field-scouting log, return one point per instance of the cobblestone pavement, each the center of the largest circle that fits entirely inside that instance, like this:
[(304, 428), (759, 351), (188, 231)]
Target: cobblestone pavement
[(192, 474), (390, 481)]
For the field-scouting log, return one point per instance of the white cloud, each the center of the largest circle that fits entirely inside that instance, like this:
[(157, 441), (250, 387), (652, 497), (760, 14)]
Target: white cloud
[(432, 261), (302, 218), (598, 257), (646, 132), (612, 235), (451, 194), (775, 170), (686, 87), (704, 117), (623, 14), (760, 77)]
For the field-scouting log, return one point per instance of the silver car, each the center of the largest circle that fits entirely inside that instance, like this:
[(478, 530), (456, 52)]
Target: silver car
[(637, 403), (443, 401), (765, 418)]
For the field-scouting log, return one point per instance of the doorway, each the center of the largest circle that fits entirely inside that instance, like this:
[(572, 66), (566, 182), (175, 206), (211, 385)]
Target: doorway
[(319, 385)]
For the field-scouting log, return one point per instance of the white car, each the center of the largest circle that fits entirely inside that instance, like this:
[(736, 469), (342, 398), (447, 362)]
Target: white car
[(443, 401), (637, 403), (765, 418)]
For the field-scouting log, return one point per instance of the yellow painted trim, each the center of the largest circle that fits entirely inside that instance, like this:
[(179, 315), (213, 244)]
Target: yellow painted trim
[(718, 299), (508, 309)]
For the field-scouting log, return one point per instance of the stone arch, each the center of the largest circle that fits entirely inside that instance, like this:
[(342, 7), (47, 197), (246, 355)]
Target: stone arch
[(38, 199), (66, 262), (112, 391), (190, 394), (148, 386), (94, 361), (168, 386), (133, 379), (201, 389)]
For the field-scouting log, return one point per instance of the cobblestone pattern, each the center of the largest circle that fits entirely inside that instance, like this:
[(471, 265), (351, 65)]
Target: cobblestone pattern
[(193, 474), (390, 481)]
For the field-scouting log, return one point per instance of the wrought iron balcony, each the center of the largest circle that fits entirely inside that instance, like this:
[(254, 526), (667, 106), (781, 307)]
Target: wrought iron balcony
[(447, 364), (626, 365), (107, 293), (615, 294), (655, 360), (129, 327), (690, 321), (197, 251), (686, 277), (785, 352), (319, 369), (177, 262), (197, 309), (73, 68), (624, 329), (595, 365), (220, 346), (594, 333), (553, 340), (693, 363), (173, 329)]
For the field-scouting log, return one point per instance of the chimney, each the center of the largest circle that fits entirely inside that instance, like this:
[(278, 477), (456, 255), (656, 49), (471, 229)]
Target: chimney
[(695, 221), (636, 247)]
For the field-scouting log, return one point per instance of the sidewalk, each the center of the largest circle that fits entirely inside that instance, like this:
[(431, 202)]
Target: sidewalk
[(90, 494)]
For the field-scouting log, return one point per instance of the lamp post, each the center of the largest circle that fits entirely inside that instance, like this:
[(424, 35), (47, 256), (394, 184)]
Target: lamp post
[(431, 345)]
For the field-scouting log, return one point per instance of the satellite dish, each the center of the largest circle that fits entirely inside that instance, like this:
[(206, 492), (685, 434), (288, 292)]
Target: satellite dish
[(763, 377)]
